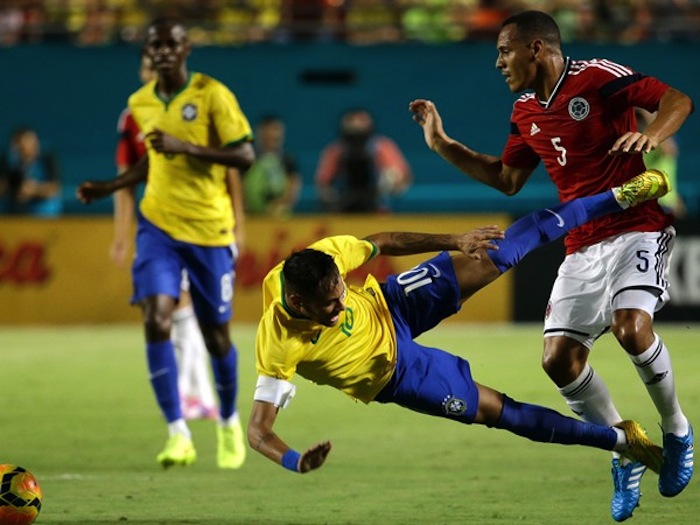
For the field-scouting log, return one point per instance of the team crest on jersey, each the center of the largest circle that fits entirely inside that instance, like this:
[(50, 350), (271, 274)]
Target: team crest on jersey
[(548, 310), (189, 112), (454, 406), (579, 108)]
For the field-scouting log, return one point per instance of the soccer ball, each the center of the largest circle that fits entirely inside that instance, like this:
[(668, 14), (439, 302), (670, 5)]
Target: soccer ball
[(20, 496)]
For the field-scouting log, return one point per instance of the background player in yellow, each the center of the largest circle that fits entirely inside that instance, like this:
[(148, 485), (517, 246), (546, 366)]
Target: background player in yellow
[(361, 339), (194, 130)]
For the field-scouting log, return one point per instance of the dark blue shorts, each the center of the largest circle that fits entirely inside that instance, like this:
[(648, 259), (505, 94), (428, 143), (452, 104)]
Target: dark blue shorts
[(157, 270), (427, 380)]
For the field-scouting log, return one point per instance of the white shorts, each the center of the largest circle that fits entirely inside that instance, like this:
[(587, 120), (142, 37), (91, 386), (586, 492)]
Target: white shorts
[(626, 271)]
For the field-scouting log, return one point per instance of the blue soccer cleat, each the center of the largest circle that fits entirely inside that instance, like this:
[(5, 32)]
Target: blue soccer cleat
[(677, 468), (626, 480)]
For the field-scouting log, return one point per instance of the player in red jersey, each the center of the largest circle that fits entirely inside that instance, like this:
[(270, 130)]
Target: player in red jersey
[(577, 118)]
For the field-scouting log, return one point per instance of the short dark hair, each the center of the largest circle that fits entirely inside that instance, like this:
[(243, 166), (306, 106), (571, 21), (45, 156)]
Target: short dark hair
[(535, 24), (308, 271)]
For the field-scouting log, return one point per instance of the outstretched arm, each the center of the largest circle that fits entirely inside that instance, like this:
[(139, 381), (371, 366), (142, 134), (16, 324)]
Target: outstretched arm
[(481, 167), (91, 190), (262, 438), (408, 243), (124, 205)]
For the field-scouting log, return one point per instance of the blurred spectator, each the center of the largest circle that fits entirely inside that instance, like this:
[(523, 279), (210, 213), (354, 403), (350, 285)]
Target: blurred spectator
[(311, 20), (235, 22), (360, 170), (484, 22), (29, 177), (371, 22), (664, 157), (22, 21), (434, 21), (271, 185)]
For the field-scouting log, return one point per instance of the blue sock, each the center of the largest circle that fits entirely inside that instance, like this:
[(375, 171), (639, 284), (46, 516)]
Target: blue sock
[(225, 377), (545, 425), (544, 226), (162, 368)]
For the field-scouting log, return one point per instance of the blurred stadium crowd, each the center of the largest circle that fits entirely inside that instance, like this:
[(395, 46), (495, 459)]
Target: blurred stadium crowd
[(238, 22)]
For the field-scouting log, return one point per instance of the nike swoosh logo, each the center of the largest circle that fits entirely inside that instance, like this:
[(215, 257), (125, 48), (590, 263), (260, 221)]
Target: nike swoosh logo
[(560, 220)]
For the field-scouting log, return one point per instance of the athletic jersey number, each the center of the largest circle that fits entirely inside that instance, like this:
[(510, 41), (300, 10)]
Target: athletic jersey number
[(226, 287), (561, 159), (643, 256), (416, 277)]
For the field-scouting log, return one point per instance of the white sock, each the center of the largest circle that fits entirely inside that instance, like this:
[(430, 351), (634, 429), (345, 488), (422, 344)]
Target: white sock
[(621, 444), (184, 333), (202, 387), (654, 368), (589, 398), (179, 427), (229, 422)]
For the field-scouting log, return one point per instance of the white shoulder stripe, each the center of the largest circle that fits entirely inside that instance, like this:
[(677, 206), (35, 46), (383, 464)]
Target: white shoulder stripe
[(579, 66), (624, 70), (525, 97)]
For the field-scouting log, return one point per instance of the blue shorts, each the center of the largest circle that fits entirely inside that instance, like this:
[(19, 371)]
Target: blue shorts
[(427, 380), (157, 270)]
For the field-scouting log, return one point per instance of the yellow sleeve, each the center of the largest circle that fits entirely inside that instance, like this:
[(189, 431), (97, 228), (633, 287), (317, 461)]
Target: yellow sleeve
[(231, 123), (274, 355), (348, 252)]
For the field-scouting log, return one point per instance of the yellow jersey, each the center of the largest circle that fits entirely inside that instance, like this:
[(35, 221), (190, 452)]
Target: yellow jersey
[(356, 356), (185, 196)]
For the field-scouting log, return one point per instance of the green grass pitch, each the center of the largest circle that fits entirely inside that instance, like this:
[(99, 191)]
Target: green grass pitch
[(77, 410)]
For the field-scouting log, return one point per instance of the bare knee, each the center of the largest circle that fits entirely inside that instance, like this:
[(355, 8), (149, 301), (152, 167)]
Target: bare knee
[(633, 329), (563, 359), (158, 317)]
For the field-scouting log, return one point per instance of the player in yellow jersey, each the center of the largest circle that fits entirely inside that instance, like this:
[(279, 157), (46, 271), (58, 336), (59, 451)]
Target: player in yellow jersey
[(361, 339), (194, 130)]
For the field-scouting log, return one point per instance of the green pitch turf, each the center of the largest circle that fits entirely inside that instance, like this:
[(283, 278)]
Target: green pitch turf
[(77, 410)]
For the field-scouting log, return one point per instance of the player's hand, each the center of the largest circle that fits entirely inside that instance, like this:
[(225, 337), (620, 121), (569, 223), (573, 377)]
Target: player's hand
[(118, 252), (633, 142), (28, 190), (92, 190), (426, 114), (314, 457), (163, 142), (472, 242)]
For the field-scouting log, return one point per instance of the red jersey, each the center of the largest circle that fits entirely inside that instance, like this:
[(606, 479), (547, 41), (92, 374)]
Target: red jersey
[(130, 146), (591, 106)]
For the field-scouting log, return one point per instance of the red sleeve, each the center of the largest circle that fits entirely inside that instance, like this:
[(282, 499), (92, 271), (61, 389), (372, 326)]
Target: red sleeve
[(328, 164), (130, 147), (517, 154), (389, 156), (644, 92)]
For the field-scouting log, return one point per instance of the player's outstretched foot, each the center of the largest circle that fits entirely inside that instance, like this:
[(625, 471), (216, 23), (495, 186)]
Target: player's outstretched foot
[(639, 447), (626, 481), (231, 446), (677, 468), (648, 185), (179, 450)]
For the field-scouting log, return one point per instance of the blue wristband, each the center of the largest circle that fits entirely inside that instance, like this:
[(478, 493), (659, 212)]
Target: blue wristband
[(290, 460)]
